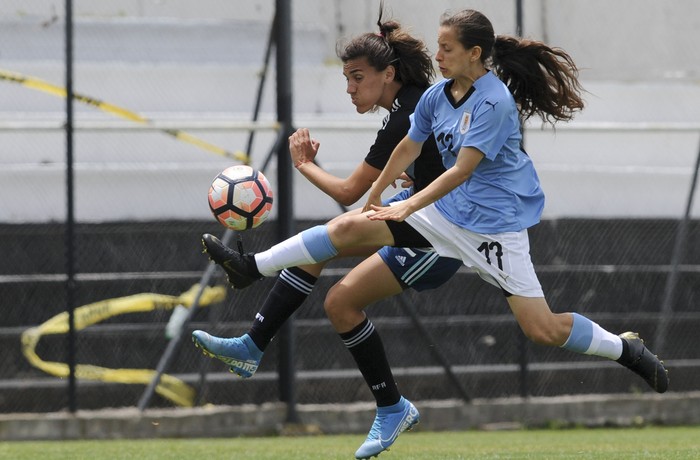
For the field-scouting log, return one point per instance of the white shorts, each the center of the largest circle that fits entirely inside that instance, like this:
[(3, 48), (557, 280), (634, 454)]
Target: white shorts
[(502, 259)]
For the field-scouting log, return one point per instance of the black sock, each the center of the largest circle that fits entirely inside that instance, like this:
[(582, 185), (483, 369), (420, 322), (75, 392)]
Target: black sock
[(366, 347), (292, 287)]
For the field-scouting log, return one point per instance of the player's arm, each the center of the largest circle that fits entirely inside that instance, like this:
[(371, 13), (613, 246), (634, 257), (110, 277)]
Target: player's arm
[(467, 160), (303, 150), (344, 191), (403, 155)]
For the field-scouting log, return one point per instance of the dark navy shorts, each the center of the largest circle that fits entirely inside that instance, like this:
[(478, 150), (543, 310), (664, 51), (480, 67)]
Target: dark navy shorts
[(417, 268)]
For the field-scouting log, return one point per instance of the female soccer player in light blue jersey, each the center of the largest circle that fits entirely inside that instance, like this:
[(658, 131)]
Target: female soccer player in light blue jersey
[(479, 210)]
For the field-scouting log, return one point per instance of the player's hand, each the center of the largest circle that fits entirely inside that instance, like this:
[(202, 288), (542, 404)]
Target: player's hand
[(302, 148), (372, 200), (398, 212), (406, 181)]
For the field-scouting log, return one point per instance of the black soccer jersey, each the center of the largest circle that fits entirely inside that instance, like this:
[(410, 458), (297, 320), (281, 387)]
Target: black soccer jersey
[(395, 126)]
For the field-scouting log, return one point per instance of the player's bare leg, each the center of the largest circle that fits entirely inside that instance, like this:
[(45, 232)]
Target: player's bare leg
[(579, 334)]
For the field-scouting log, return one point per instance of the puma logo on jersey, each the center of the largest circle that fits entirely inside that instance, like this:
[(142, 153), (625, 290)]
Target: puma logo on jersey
[(401, 260), (492, 104)]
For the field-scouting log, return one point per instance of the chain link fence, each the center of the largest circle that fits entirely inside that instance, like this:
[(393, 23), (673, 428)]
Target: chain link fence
[(164, 98)]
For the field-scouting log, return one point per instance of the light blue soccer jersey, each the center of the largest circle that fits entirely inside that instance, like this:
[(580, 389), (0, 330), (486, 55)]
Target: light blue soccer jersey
[(503, 194)]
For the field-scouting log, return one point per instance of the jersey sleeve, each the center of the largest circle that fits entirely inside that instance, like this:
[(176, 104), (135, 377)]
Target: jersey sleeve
[(421, 124)]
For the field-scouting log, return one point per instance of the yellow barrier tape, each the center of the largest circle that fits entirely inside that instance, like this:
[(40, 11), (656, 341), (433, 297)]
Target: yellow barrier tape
[(169, 387), (46, 87)]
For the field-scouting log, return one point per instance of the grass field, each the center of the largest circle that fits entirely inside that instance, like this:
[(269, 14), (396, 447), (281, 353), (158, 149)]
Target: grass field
[(641, 443)]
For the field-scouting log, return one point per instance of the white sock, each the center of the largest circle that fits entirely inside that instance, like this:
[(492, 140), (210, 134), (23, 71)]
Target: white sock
[(308, 247), (605, 344), (289, 253)]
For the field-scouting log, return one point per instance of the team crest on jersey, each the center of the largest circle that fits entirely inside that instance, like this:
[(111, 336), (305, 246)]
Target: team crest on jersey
[(464, 124)]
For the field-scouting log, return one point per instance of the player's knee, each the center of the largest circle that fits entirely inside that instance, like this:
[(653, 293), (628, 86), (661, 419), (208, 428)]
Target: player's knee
[(333, 303), (347, 230)]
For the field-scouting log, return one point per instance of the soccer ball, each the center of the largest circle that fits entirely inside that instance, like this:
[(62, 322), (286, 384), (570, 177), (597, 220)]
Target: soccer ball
[(240, 197)]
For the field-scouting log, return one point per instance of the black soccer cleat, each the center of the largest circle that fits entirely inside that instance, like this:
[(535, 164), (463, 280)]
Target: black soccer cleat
[(240, 268), (637, 357)]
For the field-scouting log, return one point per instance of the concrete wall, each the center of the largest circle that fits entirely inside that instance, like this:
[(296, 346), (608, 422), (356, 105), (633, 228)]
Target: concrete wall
[(626, 39), (266, 419), (198, 63)]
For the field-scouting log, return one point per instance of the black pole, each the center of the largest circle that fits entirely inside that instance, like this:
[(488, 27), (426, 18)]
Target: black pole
[(283, 46), (519, 18), (522, 341), (676, 258), (174, 343), (70, 215), (261, 83)]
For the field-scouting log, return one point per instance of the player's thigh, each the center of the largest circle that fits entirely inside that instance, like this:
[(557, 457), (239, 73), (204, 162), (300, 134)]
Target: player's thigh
[(371, 280), (352, 212), (356, 236), (419, 268), (358, 230)]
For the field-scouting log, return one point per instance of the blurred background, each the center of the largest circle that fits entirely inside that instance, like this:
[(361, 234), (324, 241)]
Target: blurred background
[(619, 239)]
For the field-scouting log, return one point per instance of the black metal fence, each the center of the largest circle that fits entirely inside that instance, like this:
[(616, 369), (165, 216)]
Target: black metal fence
[(125, 276)]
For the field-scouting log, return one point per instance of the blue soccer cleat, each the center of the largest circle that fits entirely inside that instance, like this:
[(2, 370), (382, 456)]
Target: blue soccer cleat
[(240, 353), (388, 424)]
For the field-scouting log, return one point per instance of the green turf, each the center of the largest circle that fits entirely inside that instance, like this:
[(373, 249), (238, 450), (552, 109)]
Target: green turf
[(641, 443)]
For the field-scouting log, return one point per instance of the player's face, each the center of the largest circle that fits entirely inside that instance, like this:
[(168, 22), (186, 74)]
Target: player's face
[(365, 84), (452, 57)]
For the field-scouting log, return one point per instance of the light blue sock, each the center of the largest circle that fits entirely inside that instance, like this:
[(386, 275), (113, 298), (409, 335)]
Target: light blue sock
[(589, 338), (318, 243), (581, 334), (308, 247)]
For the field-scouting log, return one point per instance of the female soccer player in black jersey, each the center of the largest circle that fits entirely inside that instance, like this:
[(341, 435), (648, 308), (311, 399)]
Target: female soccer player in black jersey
[(389, 70)]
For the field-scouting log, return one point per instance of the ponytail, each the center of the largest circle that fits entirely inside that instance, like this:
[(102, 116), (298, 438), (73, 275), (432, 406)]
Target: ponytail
[(392, 46), (543, 80)]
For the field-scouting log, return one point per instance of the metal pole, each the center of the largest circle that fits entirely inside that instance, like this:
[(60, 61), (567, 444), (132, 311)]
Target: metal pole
[(519, 18), (522, 341), (261, 83), (170, 351), (283, 45), (70, 214), (672, 279)]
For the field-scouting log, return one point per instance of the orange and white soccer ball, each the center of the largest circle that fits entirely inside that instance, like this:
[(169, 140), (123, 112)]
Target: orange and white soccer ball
[(240, 197)]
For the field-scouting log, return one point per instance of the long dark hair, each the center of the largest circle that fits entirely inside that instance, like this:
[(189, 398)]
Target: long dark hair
[(542, 79), (392, 46)]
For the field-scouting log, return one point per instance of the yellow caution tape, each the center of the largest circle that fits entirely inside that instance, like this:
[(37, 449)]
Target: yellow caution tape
[(46, 87), (169, 387)]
